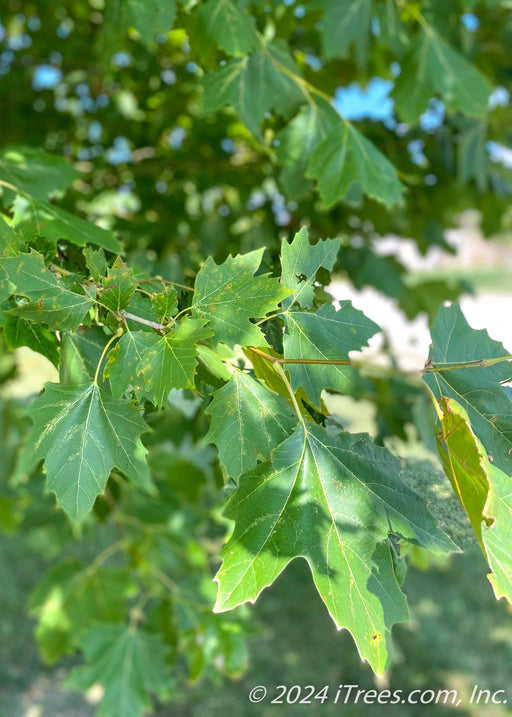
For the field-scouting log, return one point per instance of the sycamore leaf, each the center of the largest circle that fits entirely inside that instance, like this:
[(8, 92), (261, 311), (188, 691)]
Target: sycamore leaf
[(149, 17), (153, 364), (128, 662), (300, 261), (393, 33), (346, 22), (34, 172), (123, 363), (228, 295), (51, 302), (346, 158), (11, 243), (226, 24), (255, 85), (333, 501), (248, 421), (19, 332), (72, 597), (118, 286), (81, 351), (165, 303), (170, 361), (473, 157), (82, 433), (298, 139), (483, 489), (478, 389), (51, 222), (96, 262), (434, 67), (326, 335)]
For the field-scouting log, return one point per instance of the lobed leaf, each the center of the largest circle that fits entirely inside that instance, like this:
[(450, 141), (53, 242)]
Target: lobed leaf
[(51, 301), (248, 420), (228, 295), (82, 433), (333, 501), (324, 336), (128, 662)]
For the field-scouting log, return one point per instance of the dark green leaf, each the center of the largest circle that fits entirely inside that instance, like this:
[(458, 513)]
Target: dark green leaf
[(54, 223), (345, 159), (228, 295), (118, 286), (226, 24), (128, 662), (51, 302), (346, 22), (300, 261), (326, 335), (255, 85), (434, 67), (248, 421), (83, 433), (334, 502), (35, 172)]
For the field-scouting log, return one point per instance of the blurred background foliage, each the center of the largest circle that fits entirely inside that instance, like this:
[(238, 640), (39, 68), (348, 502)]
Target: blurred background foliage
[(124, 105)]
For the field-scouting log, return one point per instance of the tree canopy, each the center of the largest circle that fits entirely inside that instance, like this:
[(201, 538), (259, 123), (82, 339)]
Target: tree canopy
[(180, 180)]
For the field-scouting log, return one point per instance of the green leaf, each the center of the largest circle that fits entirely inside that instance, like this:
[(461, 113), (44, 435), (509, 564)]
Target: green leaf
[(297, 141), (82, 433), (19, 332), (229, 295), (333, 501), (150, 17), (255, 85), (473, 158), (346, 22), (326, 335), (346, 159), (96, 262), (35, 172), (478, 389), (434, 67), (54, 223), (51, 302), (153, 364), (11, 243), (165, 303), (300, 261), (123, 363), (81, 353), (71, 598), (226, 24), (393, 33), (128, 662), (170, 361), (483, 489), (118, 286), (248, 420)]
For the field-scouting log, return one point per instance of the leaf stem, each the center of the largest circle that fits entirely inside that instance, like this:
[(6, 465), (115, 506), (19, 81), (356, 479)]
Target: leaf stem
[(281, 372), (118, 333), (327, 362), (438, 367), (166, 281)]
